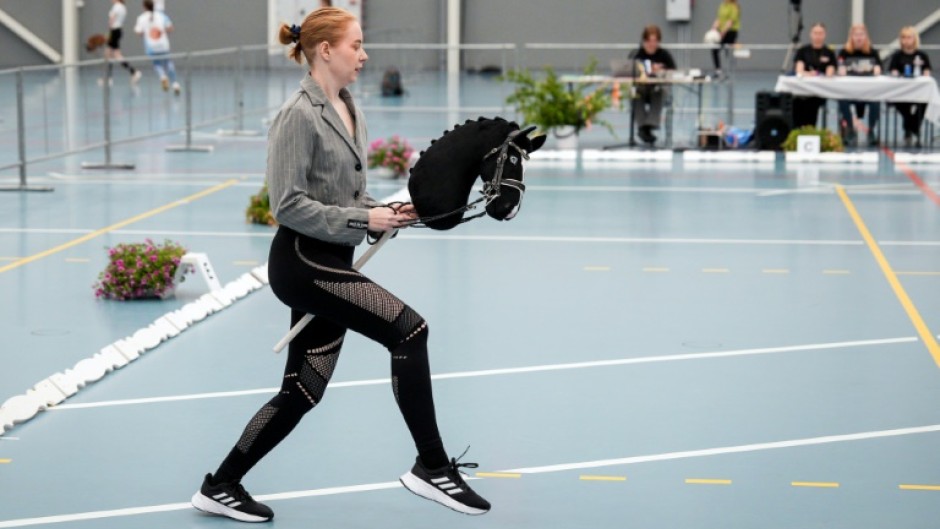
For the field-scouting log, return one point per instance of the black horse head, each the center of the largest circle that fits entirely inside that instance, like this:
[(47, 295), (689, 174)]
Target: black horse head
[(493, 149)]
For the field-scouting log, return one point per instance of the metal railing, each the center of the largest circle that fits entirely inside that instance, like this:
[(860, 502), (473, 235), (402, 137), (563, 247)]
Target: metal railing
[(52, 112), (92, 106)]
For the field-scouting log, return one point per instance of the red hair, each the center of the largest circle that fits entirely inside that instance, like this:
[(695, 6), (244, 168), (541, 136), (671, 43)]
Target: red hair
[(850, 47), (326, 24)]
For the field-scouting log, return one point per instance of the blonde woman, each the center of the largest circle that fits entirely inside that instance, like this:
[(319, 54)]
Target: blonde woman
[(859, 58), (727, 23), (909, 61), (316, 174)]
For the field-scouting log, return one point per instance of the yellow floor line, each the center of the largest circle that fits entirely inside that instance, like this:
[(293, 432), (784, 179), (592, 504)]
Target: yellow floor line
[(603, 478), (119, 225), (891, 276), (818, 484), (5, 461), (837, 272), (919, 487), (655, 269), (506, 475), (775, 271), (696, 481), (597, 269), (716, 270)]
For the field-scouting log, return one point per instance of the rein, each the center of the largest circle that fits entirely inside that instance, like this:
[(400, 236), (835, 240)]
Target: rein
[(491, 189)]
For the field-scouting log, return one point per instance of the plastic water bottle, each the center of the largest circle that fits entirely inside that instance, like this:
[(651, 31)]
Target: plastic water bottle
[(907, 70), (918, 66)]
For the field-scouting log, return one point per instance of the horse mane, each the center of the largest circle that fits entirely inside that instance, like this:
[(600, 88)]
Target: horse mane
[(444, 174)]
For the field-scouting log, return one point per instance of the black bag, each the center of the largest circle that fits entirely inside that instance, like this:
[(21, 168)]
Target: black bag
[(391, 82)]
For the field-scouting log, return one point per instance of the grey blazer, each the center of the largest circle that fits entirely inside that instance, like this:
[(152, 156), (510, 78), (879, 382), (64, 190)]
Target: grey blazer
[(316, 173)]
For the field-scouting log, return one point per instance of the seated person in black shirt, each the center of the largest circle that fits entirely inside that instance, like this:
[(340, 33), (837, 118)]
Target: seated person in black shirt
[(859, 58), (655, 61), (910, 62), (816, 58)]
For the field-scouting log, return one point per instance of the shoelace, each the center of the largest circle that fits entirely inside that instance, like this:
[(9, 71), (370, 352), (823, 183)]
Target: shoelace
[(241, 494), (455, 466)]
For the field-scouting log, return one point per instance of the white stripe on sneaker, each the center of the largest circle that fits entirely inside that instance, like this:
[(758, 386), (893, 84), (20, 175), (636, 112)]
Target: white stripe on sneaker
[(455, 491)]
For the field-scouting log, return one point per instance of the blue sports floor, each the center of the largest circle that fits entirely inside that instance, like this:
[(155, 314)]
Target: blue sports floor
[(650, 345)]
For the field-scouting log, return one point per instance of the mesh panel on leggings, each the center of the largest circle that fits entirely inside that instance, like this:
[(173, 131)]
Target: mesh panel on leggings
[(255, 426), (369, 296), (316, 373), (408, 323)]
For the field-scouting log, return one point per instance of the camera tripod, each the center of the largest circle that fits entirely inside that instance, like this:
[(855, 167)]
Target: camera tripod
[(795, 38)]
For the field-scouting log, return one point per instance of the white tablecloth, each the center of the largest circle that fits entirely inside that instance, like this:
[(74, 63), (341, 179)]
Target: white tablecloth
[(881, 88)]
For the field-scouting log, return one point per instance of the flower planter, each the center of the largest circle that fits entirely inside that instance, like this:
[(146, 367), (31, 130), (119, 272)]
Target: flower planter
[(566, 138)]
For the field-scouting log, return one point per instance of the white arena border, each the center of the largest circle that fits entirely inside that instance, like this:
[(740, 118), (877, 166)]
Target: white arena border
[(730, 156), (912, 158), (833, 157), (62, 385)]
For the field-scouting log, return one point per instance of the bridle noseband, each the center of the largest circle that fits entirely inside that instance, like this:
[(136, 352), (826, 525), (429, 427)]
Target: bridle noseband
[(491, 189)]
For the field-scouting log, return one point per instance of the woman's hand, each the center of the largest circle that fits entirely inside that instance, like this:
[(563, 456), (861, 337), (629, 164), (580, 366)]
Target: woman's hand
[(385, 218)]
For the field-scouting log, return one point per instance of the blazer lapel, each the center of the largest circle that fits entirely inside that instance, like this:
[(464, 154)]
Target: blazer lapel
[(329, 113)]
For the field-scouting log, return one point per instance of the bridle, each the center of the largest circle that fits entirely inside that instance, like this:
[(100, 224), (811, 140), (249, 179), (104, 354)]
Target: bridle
[(494, 187)]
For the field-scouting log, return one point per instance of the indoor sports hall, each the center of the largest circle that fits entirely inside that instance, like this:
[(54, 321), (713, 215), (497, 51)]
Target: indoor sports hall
[(711, 330)]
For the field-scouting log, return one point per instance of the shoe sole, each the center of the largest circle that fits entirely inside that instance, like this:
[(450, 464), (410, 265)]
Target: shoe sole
[(210, 506), (418, 487)]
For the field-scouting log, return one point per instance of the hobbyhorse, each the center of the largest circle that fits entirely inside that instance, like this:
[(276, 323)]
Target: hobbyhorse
[(443, 177)]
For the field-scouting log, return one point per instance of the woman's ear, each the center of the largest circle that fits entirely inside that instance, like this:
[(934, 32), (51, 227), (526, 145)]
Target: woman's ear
[(324, 50)]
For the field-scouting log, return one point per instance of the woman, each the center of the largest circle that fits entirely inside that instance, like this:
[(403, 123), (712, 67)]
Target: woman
[(316, 179), (859, 58), (812, 60), (728, 23), (155, 26), (910, 62), (112, 51), (648, 107)]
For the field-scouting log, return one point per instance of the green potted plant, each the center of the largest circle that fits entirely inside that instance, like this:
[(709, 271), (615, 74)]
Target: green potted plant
[(259, 208), (554, 106), (828, 140), (140, 271)]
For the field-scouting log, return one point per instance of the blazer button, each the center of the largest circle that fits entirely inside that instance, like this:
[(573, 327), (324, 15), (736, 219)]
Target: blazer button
[(359, 167), (356, 194)]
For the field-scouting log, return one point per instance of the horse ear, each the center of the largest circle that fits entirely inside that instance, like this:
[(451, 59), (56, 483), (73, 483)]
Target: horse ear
[(537, 142)]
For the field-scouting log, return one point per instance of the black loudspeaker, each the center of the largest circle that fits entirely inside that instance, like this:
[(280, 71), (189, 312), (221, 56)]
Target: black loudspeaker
[(773, 119)]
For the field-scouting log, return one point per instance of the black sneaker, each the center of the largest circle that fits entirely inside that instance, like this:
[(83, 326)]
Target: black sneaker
[(445, 486), (230, 499)]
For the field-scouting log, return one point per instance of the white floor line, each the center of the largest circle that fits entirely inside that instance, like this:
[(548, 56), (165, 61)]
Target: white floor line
[(668, 456), (512, 371)]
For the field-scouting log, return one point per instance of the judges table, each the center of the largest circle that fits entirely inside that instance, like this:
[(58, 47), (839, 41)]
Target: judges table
[(694, 84), (883, 88)]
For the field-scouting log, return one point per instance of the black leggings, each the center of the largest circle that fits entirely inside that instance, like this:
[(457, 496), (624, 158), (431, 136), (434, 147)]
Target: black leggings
[(730, 37), (312, 276)]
